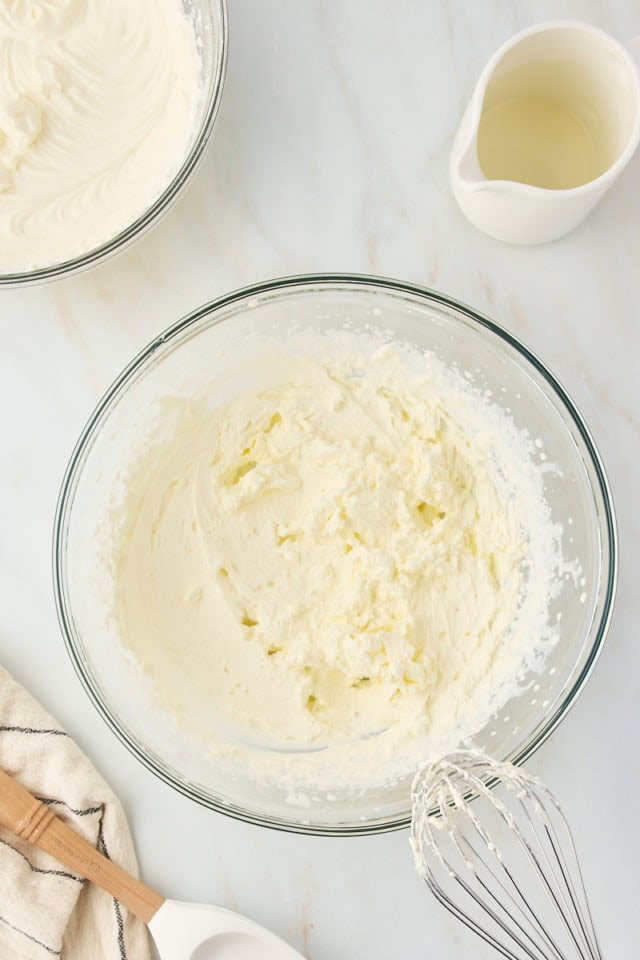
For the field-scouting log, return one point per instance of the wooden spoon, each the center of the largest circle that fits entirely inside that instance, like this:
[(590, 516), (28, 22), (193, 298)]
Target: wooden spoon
[(181, 931)]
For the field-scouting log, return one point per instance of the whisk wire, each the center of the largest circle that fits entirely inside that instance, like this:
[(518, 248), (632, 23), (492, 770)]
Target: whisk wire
[(507, 817), (556, 895), (574, 909), (506, 855), (469, 922), (475, 859), (582, 911)]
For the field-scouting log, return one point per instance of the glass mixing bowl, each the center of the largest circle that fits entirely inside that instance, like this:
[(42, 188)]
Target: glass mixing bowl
[(205, 346), (209, 18)]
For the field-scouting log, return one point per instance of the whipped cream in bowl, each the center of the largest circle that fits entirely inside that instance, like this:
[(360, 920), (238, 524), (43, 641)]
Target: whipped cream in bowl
[(105, 110), (323, 530)]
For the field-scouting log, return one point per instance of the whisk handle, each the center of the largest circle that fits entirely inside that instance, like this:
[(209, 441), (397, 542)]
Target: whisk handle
[(34, 821)]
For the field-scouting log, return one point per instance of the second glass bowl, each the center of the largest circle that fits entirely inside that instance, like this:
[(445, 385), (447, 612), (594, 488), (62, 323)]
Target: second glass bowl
[(209, 18)]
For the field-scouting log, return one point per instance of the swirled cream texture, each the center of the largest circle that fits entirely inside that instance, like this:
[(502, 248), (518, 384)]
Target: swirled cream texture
[(336, 561), (97, 104)]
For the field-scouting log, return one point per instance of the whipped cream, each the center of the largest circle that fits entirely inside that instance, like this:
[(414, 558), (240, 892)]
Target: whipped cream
[(97, 105), (329, 570)]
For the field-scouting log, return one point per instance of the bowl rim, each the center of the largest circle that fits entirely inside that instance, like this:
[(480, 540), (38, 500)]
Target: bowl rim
[(162, 204), (283, 285)]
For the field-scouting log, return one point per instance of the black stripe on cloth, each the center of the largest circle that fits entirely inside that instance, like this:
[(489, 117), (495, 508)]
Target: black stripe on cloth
[(54, 733), (55, 873), (119, 920), (50, 950), (78, 813)]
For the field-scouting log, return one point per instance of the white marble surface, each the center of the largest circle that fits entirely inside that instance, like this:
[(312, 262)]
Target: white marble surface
[(331, 153)]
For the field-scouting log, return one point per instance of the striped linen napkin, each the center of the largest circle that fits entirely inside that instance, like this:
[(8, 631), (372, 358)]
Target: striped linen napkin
[(45, 910)]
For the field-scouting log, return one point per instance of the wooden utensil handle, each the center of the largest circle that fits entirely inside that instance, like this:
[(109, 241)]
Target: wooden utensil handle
[(35, 822)]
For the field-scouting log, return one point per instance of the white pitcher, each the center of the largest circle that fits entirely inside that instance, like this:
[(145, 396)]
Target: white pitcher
[(554, 119)]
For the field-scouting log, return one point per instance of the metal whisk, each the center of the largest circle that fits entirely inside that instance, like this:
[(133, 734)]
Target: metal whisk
[(494, 847)]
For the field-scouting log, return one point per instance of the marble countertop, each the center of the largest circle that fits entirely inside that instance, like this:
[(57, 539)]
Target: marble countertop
[(331, 153)]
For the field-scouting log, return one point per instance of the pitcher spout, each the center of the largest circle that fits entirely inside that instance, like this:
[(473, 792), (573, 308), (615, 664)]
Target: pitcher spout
[(465, 172)]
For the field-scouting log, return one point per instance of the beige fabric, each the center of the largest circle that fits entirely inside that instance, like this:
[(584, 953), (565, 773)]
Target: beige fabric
[(45, 910)]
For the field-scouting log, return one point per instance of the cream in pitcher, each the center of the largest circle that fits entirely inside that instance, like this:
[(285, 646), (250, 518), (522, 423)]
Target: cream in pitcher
[(554, 119)]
